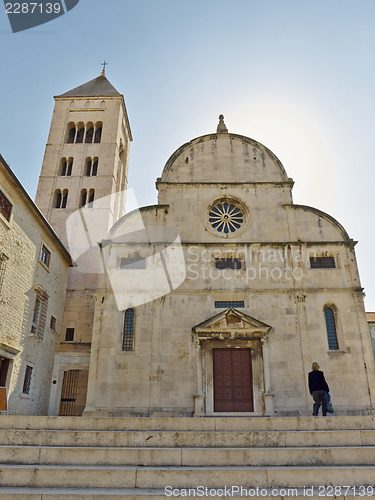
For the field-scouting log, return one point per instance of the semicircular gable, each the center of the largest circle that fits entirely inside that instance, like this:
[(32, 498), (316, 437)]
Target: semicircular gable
[(223, 157), (315, 225)]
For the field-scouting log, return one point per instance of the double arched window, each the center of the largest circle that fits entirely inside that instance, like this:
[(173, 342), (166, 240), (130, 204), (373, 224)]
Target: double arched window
[(60, 198), (92, 166), (128, 332), (79, 133), (330, 319), (66, 166), (87, 198)]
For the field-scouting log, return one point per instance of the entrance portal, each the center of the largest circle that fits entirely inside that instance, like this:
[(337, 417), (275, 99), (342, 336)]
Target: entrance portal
[(73, 394), (233, 384)]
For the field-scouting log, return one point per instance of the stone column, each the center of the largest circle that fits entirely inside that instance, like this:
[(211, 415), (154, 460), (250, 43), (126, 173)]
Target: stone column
[(268, 394), (199, 396)]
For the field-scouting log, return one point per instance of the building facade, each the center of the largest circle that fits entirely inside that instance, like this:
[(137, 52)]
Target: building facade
[(214, 301), (33, 279)]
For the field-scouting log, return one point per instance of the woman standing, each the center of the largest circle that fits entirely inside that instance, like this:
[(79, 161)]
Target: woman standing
[(318, 387)]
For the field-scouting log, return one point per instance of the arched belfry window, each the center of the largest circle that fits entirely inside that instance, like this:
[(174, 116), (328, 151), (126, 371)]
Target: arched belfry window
[(128, 332), (95, 167), (64, 198), (72, 133), (80, 133), (66, 167), (88, 166), (98, 132), (57, 199), (83, 199), (330, 319), (91, 198), (89, 133)]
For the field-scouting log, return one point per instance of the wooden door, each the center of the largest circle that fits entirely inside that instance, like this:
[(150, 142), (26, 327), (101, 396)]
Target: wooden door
[(233, 384), (4, 367)]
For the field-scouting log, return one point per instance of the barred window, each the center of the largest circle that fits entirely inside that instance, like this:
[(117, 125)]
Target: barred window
[(5, 206), (52, 324), (132, 263), (27, 379), (228, 263), (322, 262), (128, 334), (3, 263), (45, 255), (225, 304), (69, 335), (40, 314), (331, 328)]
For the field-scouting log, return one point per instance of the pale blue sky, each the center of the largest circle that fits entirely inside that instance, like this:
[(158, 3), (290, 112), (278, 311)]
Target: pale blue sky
[(296, 75)]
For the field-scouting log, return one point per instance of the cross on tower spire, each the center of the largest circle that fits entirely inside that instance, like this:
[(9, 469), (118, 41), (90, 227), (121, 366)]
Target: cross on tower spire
[(104, 64)]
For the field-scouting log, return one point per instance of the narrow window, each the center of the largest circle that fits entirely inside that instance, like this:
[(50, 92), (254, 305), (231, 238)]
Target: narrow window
[(45, 256), (98, 133), (322, 262), (40, 314), (225, 304), (52, 324), (80, 134), (69, 335), (132, 263), (64, 166), (83, 198), (91, 198), (331, 328), (27, 380), (128, 334), (70, 167), (228, 263), (3, 263), (64, 198), (5, 206), (88, 167), (58, 199), (89, 135), (95, 167), (72, 134)]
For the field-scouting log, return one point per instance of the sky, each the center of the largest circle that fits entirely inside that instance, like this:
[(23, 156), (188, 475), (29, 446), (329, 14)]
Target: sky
[(295, 75)]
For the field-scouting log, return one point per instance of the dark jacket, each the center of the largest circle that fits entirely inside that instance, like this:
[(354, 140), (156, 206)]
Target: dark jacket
[(317, 382)]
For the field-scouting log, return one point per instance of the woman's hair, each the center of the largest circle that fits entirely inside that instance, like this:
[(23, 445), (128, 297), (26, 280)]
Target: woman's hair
[(315, 366)]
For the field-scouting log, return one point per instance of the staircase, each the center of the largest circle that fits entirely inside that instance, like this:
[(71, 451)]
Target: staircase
[(81, 458)]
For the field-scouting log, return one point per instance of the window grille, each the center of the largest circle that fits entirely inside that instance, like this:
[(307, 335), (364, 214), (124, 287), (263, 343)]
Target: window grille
[(128, 334), (5, 206), (225, 304), (45, 256), (331, 329), (132, 263), (69, 335), (27, 379), (228, 263), (322, 262), (3, 263), (40, 314), (52, 324)]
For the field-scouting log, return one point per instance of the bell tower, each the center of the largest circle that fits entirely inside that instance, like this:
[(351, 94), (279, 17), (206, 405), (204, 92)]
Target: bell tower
[(85, 162), (87, 153)]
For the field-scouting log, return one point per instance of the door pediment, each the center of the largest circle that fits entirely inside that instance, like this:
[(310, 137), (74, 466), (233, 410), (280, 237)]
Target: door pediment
[(231, 324)]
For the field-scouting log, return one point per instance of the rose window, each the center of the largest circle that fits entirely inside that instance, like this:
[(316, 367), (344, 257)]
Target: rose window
[(226, 216)]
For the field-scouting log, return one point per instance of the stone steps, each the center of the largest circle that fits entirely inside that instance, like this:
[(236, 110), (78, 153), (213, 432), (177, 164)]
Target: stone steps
[(179, 439), (79, 476), (63, 455), (55, 457)]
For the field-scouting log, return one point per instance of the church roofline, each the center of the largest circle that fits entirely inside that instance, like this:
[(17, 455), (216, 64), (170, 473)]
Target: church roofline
[(221, 136), (36, 211), (324, 215)]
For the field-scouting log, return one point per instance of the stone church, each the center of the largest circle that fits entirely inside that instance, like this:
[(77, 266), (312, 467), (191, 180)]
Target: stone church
[(216, 300)]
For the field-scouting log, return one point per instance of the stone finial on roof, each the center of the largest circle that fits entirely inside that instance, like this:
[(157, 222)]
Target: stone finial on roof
[(221, 128)]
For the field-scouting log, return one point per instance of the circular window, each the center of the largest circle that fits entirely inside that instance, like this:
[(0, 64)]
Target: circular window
[(226, 216)]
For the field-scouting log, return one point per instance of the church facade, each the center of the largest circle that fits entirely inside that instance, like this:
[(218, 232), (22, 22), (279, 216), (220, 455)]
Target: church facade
[(216, 300)]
